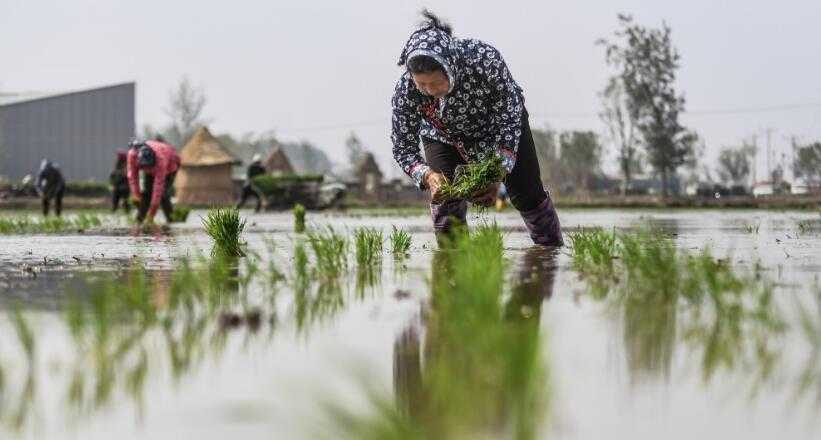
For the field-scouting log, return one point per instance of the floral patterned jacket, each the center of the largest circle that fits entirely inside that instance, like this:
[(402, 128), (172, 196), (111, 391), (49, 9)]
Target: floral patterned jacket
[(480, 115)]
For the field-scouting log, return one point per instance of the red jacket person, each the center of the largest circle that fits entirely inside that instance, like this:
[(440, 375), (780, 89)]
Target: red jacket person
[(159, 163)]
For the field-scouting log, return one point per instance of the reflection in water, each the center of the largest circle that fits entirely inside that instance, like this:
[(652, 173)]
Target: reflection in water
[(479, 370), (667, 298), (129, 326)]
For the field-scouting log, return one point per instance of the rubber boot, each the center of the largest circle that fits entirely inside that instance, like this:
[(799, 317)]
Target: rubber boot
[(543, 224)]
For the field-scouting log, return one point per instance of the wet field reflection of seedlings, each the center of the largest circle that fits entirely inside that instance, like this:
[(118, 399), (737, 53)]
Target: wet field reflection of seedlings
[(225, 227), (482, 374), (809, 383), (665, 295), (126, 325)]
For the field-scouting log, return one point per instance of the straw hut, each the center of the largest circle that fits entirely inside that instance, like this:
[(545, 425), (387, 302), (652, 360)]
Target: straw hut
[(368, 175), (277, 162), (205, 172)]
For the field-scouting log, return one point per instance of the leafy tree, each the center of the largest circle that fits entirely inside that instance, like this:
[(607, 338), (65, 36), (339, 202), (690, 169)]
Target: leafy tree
[(185, 106), (735, 164), (621, 126), (580, 157), (547, 152), (807, 162), (354, 148), (646, 64)]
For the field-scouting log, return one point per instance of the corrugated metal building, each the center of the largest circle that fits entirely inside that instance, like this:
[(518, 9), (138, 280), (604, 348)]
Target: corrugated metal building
[(79, 130)]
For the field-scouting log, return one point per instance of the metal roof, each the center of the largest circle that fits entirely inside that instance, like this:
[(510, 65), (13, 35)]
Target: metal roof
[(11, 98)]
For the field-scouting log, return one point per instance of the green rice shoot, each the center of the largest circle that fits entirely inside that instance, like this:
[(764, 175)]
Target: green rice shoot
[(225, 227), (400, 242), (330, 251), (368, 244), (180, 214)]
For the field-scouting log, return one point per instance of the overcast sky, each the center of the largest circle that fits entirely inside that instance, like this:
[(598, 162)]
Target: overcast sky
[(319, 69)]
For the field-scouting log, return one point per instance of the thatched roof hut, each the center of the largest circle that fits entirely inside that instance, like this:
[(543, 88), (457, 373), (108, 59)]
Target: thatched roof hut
[(277, 162), (205, 173)]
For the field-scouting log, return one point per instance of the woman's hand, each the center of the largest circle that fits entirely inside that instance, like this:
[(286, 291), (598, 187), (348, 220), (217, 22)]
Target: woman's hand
[(487, 196), (434, 182)]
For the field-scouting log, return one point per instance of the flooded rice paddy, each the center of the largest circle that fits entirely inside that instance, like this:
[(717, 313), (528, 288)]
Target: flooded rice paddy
[(661, 324)]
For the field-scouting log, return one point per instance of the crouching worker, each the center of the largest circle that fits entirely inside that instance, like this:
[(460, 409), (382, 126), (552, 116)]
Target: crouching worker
[(254, 169), (118, 180), (458, 97), (50, 186), (159, 163)]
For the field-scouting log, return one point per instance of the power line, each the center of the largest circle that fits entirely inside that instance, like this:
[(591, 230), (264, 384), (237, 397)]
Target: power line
[(575, 115)]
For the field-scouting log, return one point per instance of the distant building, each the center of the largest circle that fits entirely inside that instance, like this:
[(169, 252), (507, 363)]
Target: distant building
[(204, 178), (277, 162), (78, 130), (368, 175)]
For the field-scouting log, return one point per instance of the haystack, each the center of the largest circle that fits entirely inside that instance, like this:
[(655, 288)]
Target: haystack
[(277, 162), (204, 178)]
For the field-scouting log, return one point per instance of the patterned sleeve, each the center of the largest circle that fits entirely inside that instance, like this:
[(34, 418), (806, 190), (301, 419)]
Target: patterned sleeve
[(507, 108), (406, 123)]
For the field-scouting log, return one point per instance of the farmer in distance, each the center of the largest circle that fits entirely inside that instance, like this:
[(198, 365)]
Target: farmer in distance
[(459, 98), (159, 162)]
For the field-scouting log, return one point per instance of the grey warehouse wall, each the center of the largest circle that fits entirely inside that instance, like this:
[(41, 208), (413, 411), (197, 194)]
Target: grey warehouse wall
[(79, 130)]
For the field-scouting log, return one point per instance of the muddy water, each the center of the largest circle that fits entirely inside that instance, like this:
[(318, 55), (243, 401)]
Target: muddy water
[(609, 377)]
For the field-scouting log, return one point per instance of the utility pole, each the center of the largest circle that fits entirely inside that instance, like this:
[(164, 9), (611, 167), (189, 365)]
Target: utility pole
[(769, 132)]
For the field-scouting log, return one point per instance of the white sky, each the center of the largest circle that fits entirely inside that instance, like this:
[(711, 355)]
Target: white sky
[(319, 69)]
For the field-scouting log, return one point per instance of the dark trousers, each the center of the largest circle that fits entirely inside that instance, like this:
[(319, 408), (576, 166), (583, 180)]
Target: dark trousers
[(120, 195), (248, 191), (524, 187), (57, 195), (165, 201)]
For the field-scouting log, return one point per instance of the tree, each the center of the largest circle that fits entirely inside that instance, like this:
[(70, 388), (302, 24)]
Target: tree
[(621, 126), (547, 152), (580, 157), (646, 64), (735, 164), (354, 148), (807, 162), (185, 106)]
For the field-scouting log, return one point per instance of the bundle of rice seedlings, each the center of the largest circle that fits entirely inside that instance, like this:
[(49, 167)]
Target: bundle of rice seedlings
[(225, 226), (472, 178), (400, 242), (368, 244), (180, 214), (299, 218)]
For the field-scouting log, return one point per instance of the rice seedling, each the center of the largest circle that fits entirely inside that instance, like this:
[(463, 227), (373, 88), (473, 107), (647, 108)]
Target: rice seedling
[(49, 225), (330, 251), (471, 178), (225, 227), (368, 246), (299, 218), (752, 229), (400, 242), (594, 250), (180, 214)]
